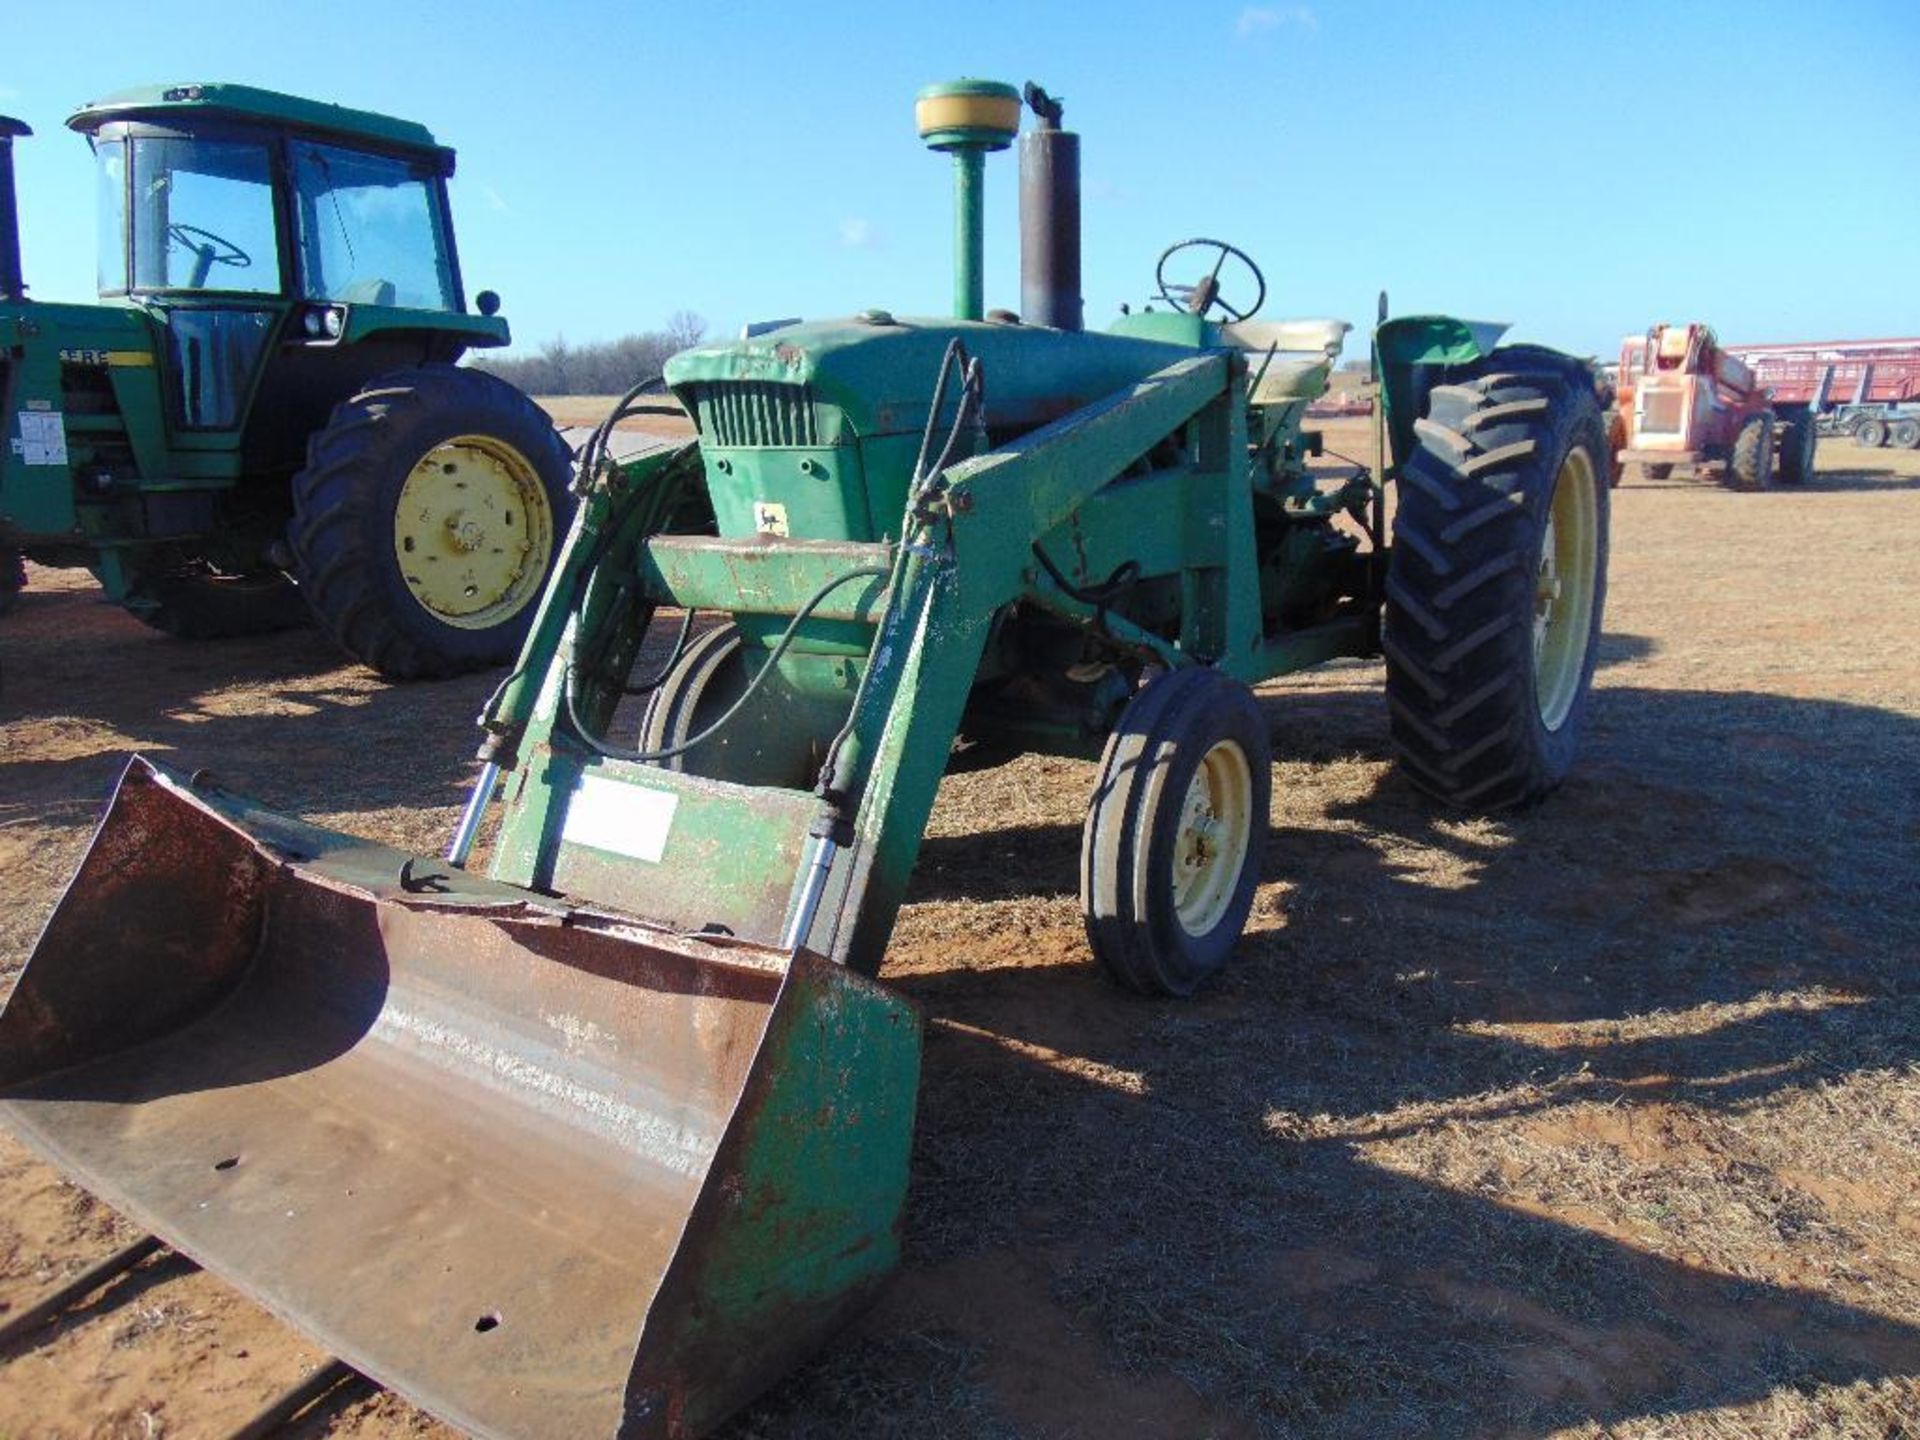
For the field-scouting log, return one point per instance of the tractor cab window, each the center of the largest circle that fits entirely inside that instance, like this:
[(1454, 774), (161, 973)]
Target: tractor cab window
[(203, 216), (110, 159), (370, 229)]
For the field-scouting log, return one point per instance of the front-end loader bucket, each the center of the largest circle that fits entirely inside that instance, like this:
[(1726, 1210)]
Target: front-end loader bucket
[(542, 1169)]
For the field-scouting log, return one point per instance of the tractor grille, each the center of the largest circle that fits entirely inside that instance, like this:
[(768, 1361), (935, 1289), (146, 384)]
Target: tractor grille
[(1660, 412), (754, 412)]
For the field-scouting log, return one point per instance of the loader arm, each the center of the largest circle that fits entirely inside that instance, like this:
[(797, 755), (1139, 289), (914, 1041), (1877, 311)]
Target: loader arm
[(694, 853)]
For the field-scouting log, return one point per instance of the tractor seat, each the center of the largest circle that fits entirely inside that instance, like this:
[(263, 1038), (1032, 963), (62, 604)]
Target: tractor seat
[(1303, 355), (368, 292)]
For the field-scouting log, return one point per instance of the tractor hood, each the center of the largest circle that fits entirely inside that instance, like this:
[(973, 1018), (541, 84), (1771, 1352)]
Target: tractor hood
[(879, 372)]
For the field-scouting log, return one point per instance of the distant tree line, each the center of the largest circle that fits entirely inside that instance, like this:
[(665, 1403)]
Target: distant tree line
[(606, 368)]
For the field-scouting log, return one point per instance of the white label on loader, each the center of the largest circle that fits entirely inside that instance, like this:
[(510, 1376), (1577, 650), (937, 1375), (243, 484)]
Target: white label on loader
[(43, 437), (624, 819)]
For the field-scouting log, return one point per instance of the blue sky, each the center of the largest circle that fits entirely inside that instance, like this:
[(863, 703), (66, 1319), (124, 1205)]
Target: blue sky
[(1579, 169)]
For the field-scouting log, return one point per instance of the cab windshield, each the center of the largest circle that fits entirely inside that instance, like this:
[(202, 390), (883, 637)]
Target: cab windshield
[(369, 229), (203, 215)]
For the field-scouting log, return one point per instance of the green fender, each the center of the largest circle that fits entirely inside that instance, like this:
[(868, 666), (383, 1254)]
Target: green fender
[(1405, 344)]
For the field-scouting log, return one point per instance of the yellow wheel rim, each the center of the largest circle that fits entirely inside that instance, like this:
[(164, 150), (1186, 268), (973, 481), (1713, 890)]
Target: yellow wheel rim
[(1216, 825), (472, 531), (1563, 589)]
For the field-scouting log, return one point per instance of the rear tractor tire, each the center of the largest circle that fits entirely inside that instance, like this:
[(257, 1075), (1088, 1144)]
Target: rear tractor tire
[(768, 742), (1797, 448), (1870, 434), (427, 520), (1751, 465), (190, 600), (1496, 581), (1174, 833)]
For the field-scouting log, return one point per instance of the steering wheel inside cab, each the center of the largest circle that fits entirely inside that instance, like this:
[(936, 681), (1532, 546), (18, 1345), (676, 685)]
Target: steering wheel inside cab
[(208, 250), (1207, 293)]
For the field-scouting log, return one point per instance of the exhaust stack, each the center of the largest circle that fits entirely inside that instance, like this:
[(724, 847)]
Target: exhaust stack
[(12, 287), (969, 119), (1049, 219)]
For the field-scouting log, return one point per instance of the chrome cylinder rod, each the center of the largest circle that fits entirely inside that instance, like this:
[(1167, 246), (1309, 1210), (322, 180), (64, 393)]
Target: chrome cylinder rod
[(476, 810), (819, 864)]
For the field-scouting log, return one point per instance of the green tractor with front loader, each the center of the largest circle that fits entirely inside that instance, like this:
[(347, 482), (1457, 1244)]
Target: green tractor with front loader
[(605, 1141), (262, 417)]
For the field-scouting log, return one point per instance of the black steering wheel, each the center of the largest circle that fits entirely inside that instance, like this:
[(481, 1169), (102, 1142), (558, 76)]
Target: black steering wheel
[(217, 251), (1204, 294)]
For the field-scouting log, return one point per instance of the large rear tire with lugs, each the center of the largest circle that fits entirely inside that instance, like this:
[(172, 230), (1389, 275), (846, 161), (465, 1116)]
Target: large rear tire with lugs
[(427, 520), (1751, 465), (1170, 855), (1497, 580), (767, 741)]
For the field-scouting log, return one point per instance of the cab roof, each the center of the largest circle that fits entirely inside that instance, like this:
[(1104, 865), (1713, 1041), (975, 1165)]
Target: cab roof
[(179, 104)]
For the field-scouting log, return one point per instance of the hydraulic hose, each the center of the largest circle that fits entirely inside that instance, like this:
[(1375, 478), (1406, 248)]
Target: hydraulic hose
[(780, 648)]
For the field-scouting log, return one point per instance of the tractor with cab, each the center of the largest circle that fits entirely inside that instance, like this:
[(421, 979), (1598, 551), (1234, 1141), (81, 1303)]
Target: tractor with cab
[(262, 416)]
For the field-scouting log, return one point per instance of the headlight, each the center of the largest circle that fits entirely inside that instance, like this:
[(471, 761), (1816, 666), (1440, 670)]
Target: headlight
[(323, 322)]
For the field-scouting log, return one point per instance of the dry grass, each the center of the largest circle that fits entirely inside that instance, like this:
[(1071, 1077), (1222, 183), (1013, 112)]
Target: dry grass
[(1600, 1120)]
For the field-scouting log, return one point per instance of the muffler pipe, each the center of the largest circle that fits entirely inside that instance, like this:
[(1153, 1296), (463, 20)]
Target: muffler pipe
[(12, 286), (1049, 219)]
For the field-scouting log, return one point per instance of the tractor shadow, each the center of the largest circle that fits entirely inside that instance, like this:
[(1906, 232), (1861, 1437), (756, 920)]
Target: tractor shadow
[(1306, 1200), (1857, 478), (280, 717)]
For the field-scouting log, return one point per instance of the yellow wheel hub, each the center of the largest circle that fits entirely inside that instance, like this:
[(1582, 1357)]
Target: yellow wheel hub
[(1563, 589), (1210, 848), (472, 531)]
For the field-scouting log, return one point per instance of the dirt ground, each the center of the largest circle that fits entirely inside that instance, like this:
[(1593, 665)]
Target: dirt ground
[(1602, 1119)]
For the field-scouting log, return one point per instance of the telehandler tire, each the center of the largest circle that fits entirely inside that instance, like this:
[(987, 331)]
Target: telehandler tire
[(1797, 448), (193, 601), (427, 520), (1751, 465), (1171, 851), (1497, 580)]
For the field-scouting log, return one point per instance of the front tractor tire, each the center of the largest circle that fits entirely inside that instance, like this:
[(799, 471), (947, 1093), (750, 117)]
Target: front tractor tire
[(427, 520), (1497, 579), (1174, 834), (1751, 465)]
